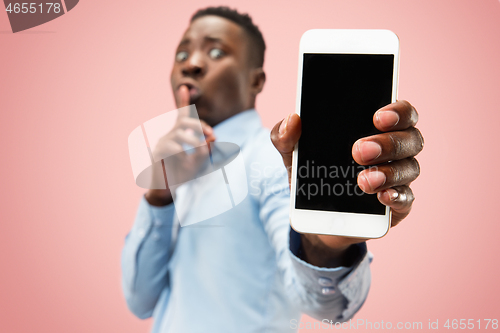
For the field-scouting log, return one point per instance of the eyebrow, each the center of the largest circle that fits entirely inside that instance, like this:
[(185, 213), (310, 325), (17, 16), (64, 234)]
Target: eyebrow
[(213, 39), (207, 38)]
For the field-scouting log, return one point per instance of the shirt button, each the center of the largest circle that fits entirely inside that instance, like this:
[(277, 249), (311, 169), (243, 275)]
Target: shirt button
[(156, 236), (158, 223), (141, 233), (328, 291), (325, 282)]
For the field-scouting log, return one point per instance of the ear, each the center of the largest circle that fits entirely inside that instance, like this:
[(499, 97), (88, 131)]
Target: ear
[(257, 80)]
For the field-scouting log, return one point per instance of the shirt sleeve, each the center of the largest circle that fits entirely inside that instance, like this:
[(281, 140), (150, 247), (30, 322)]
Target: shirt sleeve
[(145, 257), (323, 283), (323, 293)]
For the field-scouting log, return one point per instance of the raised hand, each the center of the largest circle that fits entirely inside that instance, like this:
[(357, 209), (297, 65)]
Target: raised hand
[(180, 166)]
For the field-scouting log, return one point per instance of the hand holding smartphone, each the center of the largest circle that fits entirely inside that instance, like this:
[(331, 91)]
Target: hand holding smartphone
[(344, 77)]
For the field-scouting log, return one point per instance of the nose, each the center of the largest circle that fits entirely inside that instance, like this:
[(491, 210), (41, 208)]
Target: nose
[(194, 66)]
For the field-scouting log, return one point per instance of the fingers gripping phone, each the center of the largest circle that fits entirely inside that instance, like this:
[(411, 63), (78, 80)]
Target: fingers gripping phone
[(344, 77)]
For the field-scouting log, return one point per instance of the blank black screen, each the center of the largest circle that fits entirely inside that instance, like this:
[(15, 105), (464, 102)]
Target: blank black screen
[(340, 94)]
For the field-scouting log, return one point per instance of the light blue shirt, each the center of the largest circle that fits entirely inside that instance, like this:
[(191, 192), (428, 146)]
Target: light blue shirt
[(238, 271)]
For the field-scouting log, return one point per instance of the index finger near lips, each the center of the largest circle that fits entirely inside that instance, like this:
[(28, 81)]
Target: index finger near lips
[(184, 119), (395, 117), (183, 97)]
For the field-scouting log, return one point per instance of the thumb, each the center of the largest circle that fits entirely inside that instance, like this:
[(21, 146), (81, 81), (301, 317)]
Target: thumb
[(284, 135)]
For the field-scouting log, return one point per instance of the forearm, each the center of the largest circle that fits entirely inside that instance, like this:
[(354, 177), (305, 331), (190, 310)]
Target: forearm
[(145, 257)]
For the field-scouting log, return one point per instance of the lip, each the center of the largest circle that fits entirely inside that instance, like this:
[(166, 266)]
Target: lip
[(194, 91)]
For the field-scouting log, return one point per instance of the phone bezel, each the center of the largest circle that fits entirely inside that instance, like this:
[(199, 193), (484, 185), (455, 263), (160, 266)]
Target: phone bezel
[(342, 41)]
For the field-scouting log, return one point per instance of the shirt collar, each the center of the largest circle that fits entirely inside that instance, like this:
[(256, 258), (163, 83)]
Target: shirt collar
[(238, 128)]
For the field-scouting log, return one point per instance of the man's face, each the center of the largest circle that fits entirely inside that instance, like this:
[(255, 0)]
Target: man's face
[(212, 61)]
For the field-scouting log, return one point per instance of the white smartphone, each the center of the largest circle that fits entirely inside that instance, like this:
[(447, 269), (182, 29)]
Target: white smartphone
[(344, 77)]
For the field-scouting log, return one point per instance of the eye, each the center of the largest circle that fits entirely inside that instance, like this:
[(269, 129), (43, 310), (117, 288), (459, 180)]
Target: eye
[(181, 56), (216, 53)]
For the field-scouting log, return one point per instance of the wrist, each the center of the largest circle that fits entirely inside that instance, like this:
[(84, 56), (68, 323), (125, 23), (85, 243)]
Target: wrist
[(158, 197), (317, 253)]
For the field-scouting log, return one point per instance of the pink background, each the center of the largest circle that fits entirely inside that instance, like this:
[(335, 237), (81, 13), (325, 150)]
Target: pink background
[(73, 89)]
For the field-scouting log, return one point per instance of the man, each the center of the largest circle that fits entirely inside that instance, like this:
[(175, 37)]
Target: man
[(245, 270)]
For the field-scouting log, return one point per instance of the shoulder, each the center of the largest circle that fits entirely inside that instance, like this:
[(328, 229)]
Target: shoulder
[(259, 151), (264, 164)]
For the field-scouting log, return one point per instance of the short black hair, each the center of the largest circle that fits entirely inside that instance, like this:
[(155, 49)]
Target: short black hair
[(244, 21)]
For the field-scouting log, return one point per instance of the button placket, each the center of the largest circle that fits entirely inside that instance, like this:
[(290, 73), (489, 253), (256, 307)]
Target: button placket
[(325, 282), (328, 291)]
